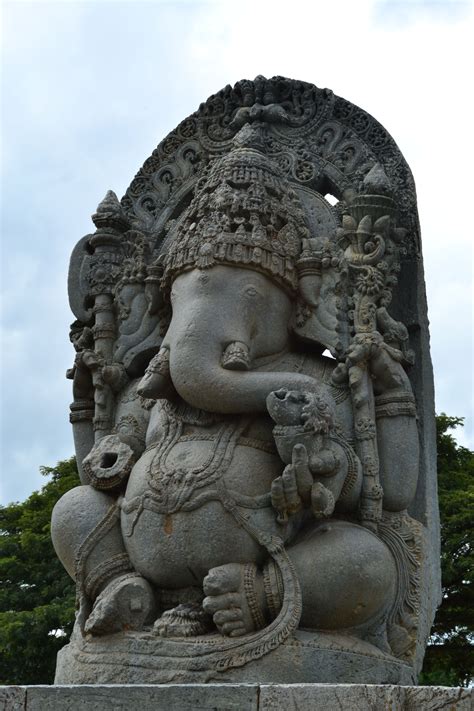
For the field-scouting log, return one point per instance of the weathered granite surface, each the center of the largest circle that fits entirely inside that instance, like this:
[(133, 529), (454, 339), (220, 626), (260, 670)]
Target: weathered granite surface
[(12, 698), (358, 697), (326, 658), (253, 406), (239, 697)]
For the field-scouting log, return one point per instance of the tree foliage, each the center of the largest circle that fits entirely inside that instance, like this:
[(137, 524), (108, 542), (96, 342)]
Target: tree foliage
[(36, 593), (449, 658)]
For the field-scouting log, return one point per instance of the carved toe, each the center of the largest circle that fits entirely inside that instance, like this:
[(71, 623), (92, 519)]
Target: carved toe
[(224, 578), (214, 603)]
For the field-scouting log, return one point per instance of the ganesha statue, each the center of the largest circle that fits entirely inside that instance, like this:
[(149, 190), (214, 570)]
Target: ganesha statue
[(252, 407)]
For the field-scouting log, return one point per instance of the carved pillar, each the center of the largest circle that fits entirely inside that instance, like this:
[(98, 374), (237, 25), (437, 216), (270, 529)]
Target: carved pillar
[(371, 271), (104, 273)]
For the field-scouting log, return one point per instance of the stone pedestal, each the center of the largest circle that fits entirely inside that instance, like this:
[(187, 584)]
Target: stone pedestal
[(305, 658), (235, 697)]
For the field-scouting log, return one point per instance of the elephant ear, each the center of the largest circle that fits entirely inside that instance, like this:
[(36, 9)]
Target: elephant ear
[(80, 300), (321, 310), (320, 314), (139, 331), (140, 307), (129, 272)]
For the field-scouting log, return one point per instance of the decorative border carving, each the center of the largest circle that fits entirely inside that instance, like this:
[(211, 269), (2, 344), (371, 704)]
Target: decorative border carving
[(318, 139)]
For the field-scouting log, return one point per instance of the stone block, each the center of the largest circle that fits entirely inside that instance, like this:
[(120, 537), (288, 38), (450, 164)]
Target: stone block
[(323, 697), (360, 697), (12, 698), (435, 698), (169, 697), (236, 697)]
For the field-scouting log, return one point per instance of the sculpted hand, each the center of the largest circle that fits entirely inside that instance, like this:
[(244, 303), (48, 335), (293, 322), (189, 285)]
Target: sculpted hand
[(384, 362), (292, 490), (296, 489), (80, 374), (90, 359), (94, 363), (368, 351)]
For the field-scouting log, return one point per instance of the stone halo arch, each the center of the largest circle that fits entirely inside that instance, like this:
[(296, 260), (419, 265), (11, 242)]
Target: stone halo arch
[(321, 142)]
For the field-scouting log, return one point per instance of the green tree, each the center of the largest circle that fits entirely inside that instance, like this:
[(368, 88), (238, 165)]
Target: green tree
[(36, 594), (449, 658)]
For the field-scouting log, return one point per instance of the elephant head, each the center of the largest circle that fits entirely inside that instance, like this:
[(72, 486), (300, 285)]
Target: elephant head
[(226, 322), (230, 274)]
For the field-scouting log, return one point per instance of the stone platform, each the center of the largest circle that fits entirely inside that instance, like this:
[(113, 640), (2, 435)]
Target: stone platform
[(235, 697), (305, 658)]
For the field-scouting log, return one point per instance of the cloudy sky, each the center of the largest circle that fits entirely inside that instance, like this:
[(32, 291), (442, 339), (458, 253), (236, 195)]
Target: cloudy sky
[(90, 88)]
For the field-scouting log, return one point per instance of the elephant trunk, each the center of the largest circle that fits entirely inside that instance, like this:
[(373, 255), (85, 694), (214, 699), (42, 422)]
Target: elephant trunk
[(200, 379), (224, 320)]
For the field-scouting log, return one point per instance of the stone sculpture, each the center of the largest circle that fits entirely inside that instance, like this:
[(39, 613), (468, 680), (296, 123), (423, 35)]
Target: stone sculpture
[(253, 406)]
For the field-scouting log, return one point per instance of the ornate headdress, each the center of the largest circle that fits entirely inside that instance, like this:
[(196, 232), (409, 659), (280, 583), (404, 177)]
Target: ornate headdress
[(243, 213)]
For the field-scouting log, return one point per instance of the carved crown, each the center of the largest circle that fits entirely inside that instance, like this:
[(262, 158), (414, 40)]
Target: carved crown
[(246, 213)]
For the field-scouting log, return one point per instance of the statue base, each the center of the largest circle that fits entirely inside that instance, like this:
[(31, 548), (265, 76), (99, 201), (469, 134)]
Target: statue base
[(235, 697), (306, 657)]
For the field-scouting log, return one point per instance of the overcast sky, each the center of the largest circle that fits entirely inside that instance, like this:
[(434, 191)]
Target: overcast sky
[(90, 88)]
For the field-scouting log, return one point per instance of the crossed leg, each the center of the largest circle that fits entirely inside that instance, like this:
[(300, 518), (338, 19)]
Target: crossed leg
[(347, 577), (85, 528)]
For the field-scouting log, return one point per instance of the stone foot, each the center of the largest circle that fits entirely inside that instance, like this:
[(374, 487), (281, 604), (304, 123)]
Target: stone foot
[(125, 604), (235, 598), (186, 620)]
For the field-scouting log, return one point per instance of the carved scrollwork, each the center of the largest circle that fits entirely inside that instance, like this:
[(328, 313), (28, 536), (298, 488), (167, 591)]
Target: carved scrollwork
[(312, 134)]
